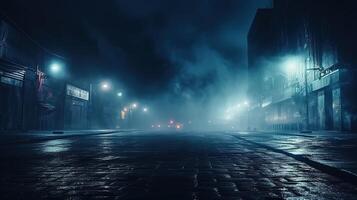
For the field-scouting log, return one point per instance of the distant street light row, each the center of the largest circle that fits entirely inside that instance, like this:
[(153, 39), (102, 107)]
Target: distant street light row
[(134, 106), (57, 70)]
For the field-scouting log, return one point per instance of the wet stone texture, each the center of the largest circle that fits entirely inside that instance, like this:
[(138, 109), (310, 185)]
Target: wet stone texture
[(336, 149), (159, 166)]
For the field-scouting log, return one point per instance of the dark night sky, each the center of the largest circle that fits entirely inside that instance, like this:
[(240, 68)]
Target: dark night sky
[(166, 49)]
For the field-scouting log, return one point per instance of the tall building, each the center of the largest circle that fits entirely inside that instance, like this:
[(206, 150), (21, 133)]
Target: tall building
[(302, 65)]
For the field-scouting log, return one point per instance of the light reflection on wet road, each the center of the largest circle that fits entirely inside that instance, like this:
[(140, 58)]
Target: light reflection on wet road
[(333, 149), (159, 166), (56, 146)]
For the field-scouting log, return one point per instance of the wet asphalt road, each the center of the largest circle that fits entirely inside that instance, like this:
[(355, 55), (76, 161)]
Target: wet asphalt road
[(159, 165)]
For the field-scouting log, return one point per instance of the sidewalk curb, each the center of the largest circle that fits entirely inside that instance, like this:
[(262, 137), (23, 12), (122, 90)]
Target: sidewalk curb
[(333, 171), (301, 134)]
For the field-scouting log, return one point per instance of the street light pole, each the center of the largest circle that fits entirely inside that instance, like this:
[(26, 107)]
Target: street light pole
[(306, 97), (130, 116), (90, 106)]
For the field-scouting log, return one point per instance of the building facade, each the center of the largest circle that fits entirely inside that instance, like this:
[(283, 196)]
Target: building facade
[(18, 75), (30, 99), (76, 107), (302, 66)]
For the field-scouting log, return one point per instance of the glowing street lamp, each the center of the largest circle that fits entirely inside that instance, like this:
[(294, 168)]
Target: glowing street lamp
[(145, 109), (291, 65), (105, 86), (119, 94), (56, 69), (134, 105), (246, 103)]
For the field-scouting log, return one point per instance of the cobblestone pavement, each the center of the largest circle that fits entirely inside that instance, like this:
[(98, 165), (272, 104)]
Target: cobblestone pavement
[(159, 165)]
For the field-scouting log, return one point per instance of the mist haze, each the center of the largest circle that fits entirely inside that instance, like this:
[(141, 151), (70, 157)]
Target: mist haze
[(185, 58)]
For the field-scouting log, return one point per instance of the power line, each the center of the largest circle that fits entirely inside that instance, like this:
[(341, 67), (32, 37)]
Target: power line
[(13, 23)]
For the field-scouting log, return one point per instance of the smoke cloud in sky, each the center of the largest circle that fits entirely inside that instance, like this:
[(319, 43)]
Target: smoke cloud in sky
[(190, 54)]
